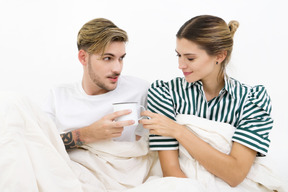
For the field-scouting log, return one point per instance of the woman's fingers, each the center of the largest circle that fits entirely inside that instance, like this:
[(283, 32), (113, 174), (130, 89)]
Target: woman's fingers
[(148, 114)]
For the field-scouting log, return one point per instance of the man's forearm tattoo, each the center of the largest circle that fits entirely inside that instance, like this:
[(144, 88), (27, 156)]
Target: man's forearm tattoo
[(70, 142), (78, 140)]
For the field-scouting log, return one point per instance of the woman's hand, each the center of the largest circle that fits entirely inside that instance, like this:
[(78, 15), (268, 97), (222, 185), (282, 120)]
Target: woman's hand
[(159, 124)]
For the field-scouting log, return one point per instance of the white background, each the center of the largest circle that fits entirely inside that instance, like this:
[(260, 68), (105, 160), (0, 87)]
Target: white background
[(38, 45)]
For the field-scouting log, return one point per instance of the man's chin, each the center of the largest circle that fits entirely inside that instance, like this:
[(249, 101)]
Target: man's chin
[(112, 87)]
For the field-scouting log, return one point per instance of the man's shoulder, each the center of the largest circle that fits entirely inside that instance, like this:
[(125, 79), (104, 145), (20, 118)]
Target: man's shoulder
[(65, 87)]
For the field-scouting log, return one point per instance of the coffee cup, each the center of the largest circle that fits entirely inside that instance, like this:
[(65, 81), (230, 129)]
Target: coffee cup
[(135, 111)]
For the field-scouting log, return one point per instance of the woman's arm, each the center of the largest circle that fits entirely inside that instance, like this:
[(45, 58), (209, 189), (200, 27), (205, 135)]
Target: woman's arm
[(232, 168), (170, 163)]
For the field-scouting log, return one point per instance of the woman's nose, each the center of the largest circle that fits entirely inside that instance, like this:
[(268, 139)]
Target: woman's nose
[(181, 64)]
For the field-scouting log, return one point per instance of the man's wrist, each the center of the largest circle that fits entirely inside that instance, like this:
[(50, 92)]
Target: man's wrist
[(72, 139), (77, 138), (68, 140)]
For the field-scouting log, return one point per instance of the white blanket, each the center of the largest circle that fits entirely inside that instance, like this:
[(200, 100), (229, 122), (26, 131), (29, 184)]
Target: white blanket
[(117, 165), (218, 135), (33, 157)]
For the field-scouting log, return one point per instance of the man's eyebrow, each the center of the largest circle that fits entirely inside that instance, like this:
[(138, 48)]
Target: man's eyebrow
[(111, 54)]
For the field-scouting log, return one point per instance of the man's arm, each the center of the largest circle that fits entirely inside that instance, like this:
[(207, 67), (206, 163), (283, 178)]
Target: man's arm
[(71, 139), (105, 128)]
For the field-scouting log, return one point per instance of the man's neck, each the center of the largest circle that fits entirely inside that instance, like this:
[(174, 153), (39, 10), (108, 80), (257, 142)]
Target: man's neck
[(91, 89)]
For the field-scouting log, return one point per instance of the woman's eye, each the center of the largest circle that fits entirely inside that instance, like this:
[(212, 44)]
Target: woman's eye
[(107, 58), (178, 55), (190, 59)]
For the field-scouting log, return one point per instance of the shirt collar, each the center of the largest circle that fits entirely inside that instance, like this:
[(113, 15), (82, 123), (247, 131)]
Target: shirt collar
[(227, 87), (187, 85)]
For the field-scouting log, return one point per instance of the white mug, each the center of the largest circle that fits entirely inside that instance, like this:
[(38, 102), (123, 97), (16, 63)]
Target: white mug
[(135, 111)]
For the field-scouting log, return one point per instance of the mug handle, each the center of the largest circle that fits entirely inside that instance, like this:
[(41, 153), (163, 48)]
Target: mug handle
[(142, 107)]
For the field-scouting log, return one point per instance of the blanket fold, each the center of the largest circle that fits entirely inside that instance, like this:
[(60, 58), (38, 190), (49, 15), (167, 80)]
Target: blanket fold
[(219, 135), (34, 156), (117, 165)]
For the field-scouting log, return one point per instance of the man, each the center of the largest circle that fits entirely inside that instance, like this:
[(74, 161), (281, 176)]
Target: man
[(83, 111), (103, 154), (84, 115)]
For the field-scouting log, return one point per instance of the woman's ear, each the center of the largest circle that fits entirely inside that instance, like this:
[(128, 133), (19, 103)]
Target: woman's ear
[(83, 57), (221, 56)]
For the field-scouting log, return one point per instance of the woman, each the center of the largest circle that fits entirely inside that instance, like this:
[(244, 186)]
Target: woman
[(204, 46)]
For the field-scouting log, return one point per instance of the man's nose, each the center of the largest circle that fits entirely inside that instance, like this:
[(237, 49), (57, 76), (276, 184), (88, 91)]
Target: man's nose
[(117, 66)]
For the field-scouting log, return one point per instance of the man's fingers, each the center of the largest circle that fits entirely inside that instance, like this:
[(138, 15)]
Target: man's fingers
[(117, 132), (117, 114), (123, 123)]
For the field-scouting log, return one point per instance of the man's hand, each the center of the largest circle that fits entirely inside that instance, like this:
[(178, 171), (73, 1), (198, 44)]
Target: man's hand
[(105, 128)]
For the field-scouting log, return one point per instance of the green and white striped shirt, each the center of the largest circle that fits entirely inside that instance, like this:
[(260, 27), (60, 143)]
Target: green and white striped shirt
[(247, 108)]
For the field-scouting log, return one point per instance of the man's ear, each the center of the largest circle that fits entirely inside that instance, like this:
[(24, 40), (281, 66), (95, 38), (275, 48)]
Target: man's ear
[(83, 57)]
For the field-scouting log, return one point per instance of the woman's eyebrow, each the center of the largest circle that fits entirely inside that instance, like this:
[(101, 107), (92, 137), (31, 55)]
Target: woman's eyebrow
[(186, 54)]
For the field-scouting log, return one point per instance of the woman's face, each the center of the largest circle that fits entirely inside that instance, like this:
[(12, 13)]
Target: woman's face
[(195, 63)]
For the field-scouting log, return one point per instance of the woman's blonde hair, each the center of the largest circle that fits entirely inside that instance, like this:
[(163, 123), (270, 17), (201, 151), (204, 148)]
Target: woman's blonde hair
[(97, 34), (211, 34)]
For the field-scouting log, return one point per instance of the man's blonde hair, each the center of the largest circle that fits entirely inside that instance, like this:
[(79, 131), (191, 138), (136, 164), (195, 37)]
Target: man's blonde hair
[(97, 34)]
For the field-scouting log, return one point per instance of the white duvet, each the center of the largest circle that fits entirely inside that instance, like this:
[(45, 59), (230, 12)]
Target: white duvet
[(33, 158), (260, 178)]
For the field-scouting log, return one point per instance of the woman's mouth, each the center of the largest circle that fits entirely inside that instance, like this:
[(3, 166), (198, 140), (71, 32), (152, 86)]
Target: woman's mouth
[(187, 73)]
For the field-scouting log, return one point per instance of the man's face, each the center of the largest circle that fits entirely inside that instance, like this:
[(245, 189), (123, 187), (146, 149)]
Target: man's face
[(104, 70)]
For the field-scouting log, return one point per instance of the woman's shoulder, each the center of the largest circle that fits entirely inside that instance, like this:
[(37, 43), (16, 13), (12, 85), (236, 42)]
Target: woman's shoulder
[(256, 94), (247, 89)]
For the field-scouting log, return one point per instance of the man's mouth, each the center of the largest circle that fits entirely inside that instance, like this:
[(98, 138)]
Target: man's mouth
[(114, 78)]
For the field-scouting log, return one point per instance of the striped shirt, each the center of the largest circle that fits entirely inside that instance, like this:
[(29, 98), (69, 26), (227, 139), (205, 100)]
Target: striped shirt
[(247, 108)]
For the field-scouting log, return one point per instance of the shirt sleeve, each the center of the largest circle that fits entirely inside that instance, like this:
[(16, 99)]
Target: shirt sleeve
[(256, 121), (160, 101)]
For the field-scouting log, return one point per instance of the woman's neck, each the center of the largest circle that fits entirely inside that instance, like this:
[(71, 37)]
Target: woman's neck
[(213, 87)]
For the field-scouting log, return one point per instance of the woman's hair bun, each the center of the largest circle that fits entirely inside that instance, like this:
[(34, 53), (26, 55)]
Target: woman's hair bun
[(233, 26)]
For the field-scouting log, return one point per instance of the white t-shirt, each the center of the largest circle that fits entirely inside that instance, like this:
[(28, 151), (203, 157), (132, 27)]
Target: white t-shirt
[(71, 108)]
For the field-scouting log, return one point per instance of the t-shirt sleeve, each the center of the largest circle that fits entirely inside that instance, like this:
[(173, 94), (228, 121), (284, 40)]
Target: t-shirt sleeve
[(160, 101), (256, 121)]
